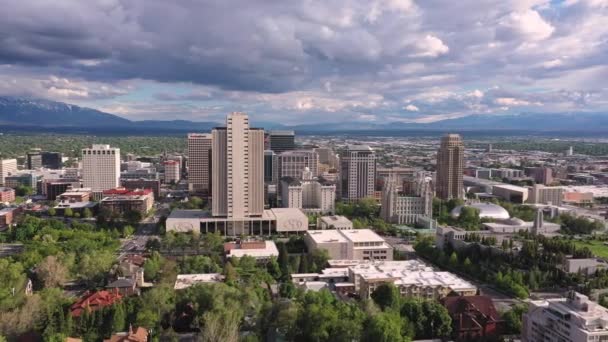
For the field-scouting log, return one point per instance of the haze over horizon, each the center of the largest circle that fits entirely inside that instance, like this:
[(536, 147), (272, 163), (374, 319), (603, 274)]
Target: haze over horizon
[(309, 61)]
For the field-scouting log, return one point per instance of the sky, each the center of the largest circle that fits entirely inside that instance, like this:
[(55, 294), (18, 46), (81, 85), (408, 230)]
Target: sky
[(309, 61)]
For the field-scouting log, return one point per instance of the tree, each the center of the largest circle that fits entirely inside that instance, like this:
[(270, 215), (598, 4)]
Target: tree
[(469, 218), (118, 317), (384, 327), (319, 258), (429, 318), (132, 216), (52, 272), (52, 211), (23, 190), (127, 231), (86, 213), (387, 296), (230, 273), (68, 212)]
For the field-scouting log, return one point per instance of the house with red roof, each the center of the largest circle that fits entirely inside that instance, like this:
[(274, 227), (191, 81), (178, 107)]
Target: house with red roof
[(92, 301), (473, 318)]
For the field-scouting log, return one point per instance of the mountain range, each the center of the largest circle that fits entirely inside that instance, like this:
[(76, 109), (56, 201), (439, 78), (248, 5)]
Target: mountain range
[(25, 114)]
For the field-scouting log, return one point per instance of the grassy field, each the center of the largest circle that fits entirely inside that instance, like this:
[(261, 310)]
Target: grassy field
[(597, 247)]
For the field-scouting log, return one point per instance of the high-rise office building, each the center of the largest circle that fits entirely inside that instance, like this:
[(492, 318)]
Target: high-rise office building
[(101, 167), (271, 173), (293, 163), (199, 163), (33, 159), (358, 172), (172, 171), (52, 160), (8, 167), (237, 169), (450, 167), (281, 141)]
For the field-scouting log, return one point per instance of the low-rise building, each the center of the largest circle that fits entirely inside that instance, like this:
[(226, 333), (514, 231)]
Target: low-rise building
[(413, 278), (474, 318), (586, 266), (275, 220), (76, 195), (7, 195), (185, 281), (141, 183), (92, 301), (262, 251), (122, 200), (7, 216), (357, 244), (571, 319), (310, 195), (334, 222)]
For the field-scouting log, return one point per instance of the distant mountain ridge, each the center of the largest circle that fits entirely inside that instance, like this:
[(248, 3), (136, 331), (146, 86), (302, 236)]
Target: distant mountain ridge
[(37, 114)]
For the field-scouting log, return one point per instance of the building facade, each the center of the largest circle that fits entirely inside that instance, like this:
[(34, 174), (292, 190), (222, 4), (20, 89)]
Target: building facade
[(172, 171), (199, 163), (7, 194), (540, 194), (101, 167), (237, 169), (292, 163), (407, 207), (358, 172), (122, 201), (8, 167), (357, 244), (450, 167), (281, 141), (571, 319)]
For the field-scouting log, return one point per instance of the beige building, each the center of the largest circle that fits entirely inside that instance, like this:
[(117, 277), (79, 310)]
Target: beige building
[(237, 169), (308, 194), (413, 278), (334, 222), (199, 158), (358, 172), (411, 207), (275, 220), (101, 167), (8, 167), (357, 244), (540, 194), (450, 167), (572, 319)]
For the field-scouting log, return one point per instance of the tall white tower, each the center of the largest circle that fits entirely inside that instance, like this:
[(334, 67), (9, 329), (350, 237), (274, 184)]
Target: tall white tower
[(101, 167)]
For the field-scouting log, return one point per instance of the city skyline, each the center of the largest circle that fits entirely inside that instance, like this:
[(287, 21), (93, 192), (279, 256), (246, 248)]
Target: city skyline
[(356, 61)]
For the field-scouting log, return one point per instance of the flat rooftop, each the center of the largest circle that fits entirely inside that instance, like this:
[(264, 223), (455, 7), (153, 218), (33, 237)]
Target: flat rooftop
[(361, 235), (335, 220), (184, 281), (327, 236)]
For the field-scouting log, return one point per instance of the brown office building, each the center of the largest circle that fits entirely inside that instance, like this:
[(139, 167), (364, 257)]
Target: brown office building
[(199, 163), (450, 167)]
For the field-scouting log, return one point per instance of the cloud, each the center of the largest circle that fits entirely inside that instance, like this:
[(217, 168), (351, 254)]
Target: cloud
[(527, 25), (306, 61)]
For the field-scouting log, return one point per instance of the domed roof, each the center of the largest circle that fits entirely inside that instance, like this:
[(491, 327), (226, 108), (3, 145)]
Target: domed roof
[(486, 210)]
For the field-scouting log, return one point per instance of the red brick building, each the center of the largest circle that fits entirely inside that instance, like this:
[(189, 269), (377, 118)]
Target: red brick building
[(474, 318), (7, 194)]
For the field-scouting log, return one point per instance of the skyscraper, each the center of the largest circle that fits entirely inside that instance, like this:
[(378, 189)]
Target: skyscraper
[(450, 167), (358, 172), (199, 163), (237, 169), (101, 167), (281, 141)]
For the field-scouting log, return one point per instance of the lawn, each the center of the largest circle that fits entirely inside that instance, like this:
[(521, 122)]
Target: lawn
[(597, 247)]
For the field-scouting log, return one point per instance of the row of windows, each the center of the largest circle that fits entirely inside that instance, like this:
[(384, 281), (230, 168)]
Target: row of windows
[(99, 152)]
